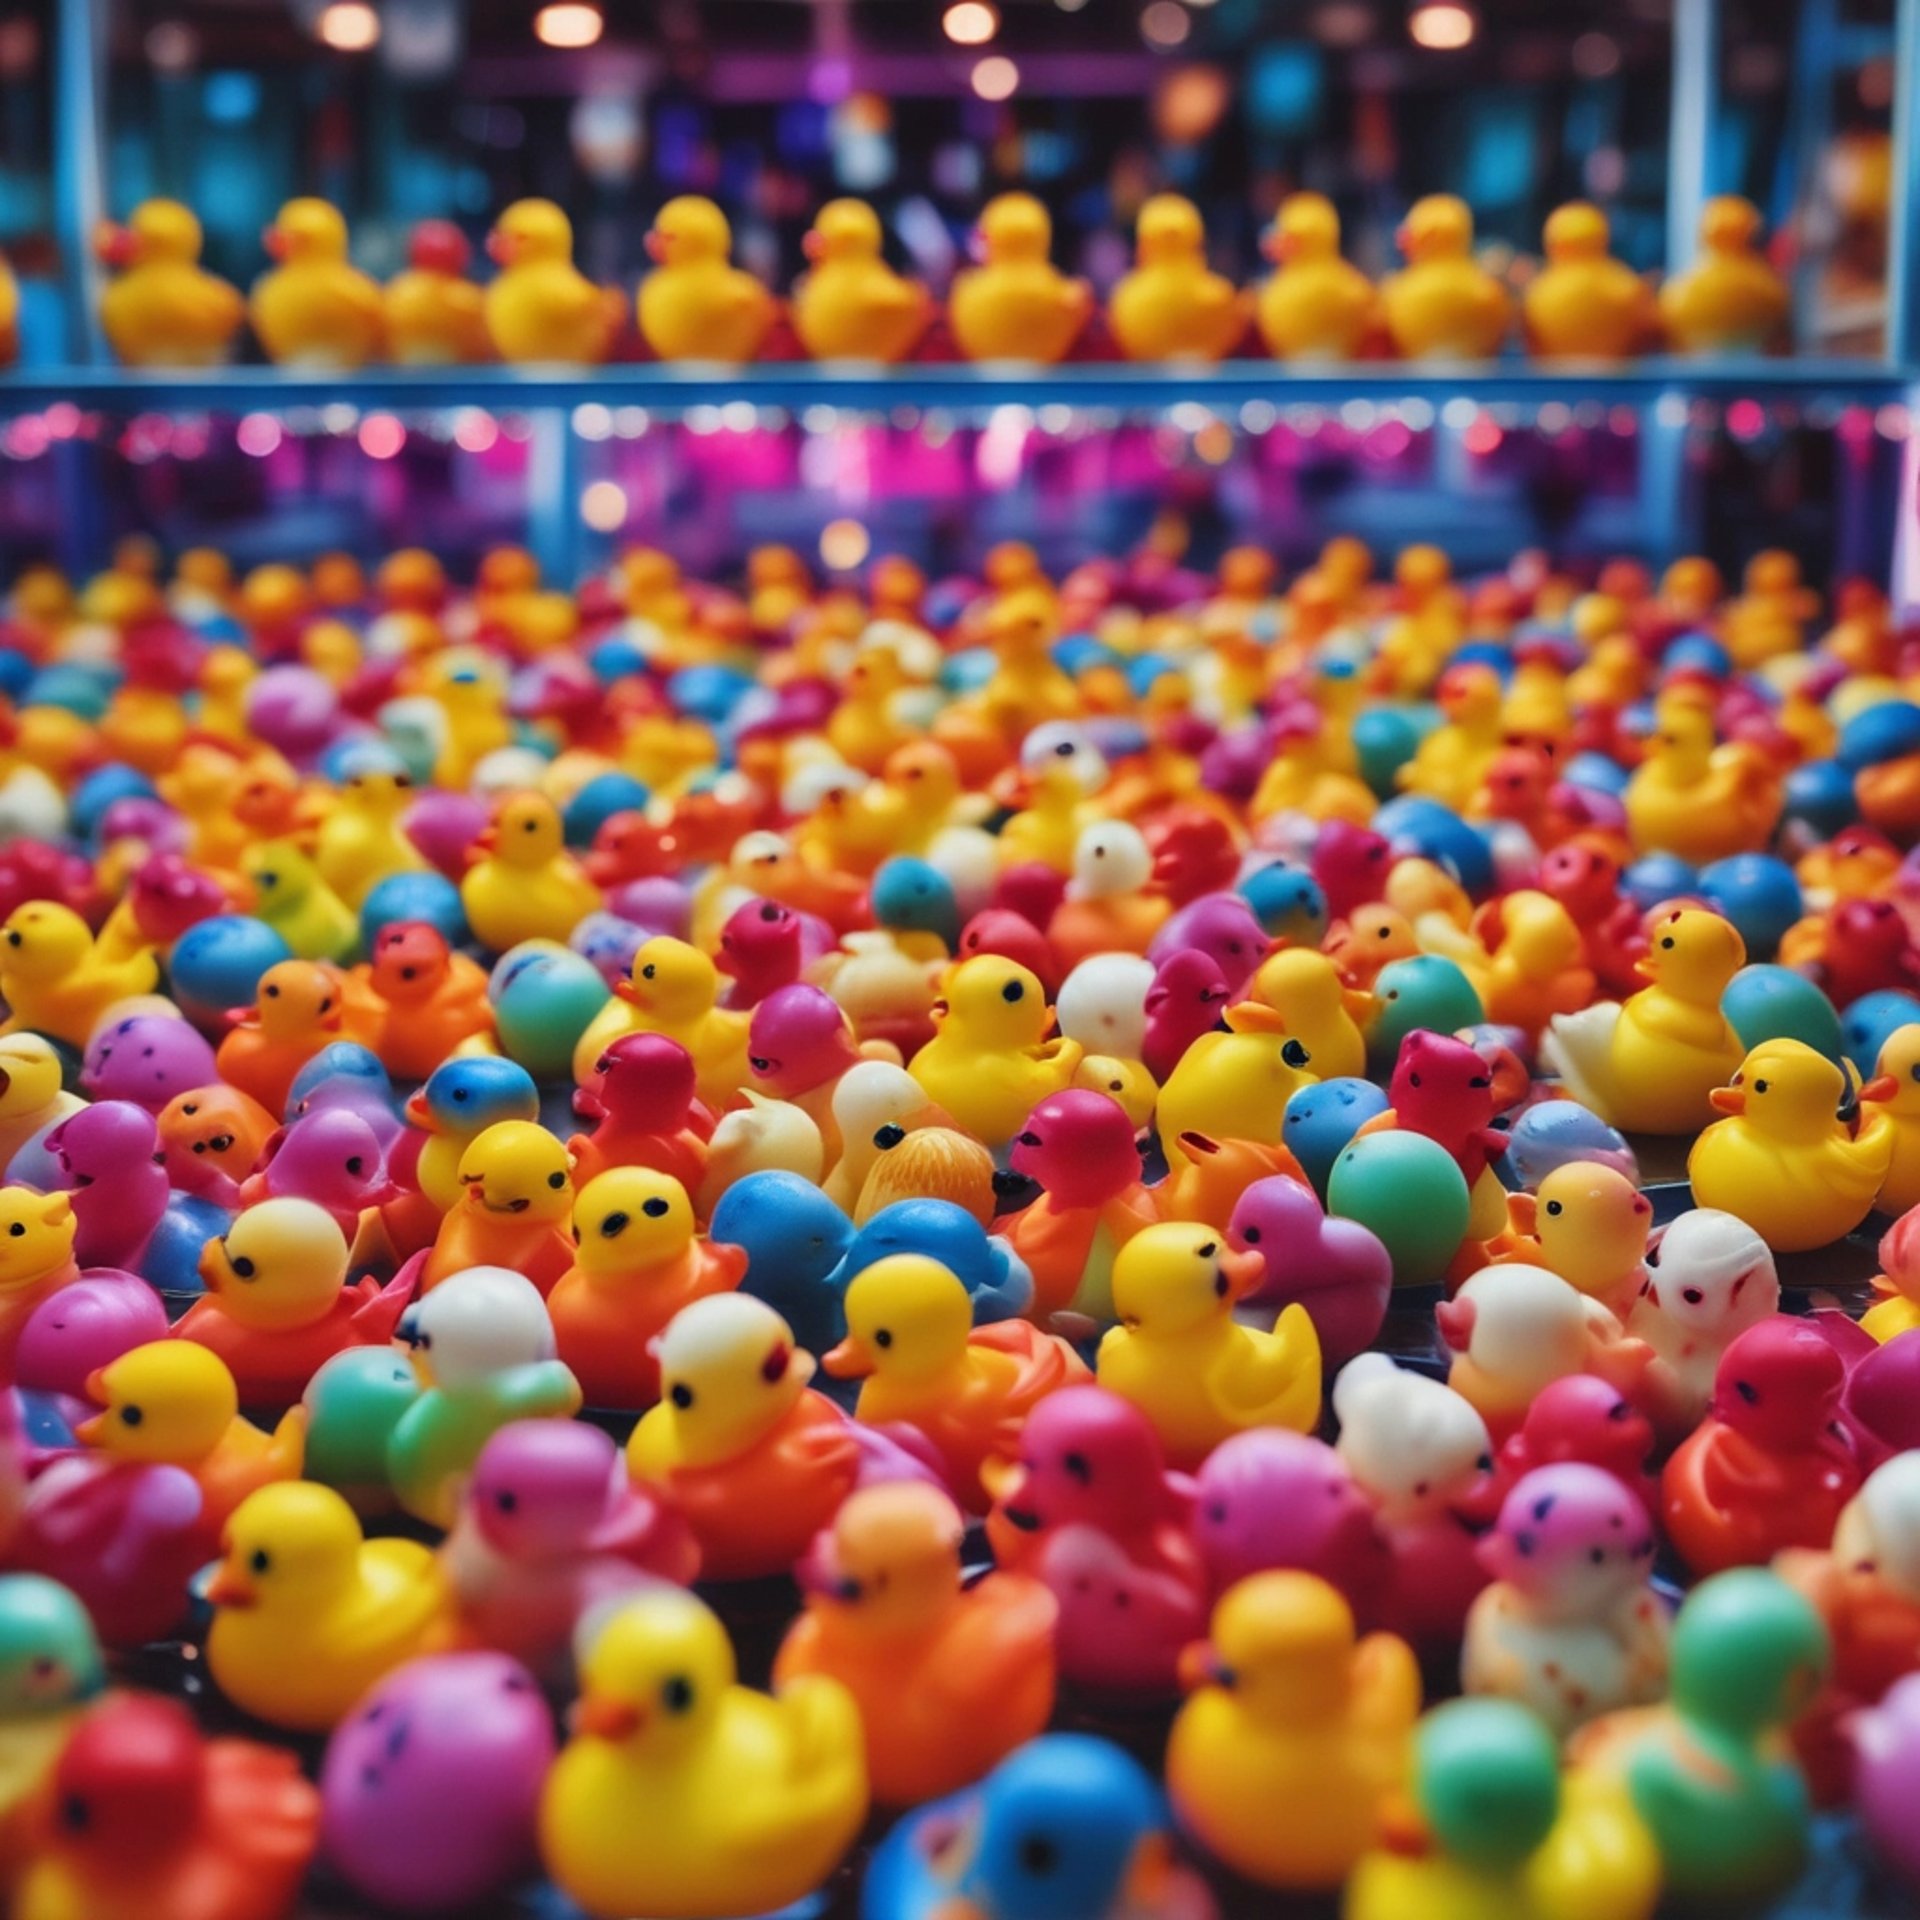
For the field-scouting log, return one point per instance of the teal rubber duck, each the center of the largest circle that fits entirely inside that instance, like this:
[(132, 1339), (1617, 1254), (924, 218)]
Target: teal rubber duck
[(50, 1667), (353, 1403)]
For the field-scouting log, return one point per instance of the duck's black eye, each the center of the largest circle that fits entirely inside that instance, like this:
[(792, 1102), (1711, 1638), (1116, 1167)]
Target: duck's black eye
[(218, 1144), (1251, 1236), (1668, 941), (1077, 1468), (273, 993), (1692, 1295), (18, 1230), (648, 971), (506, 1500), (655, 1209), (1038, 1855), (681, 1395), (889, 1137), (1556, 1208), (1759, 1086), (677, 1695), (1013, 991), (883, 1338), (1031, 1139), (355, 1165), (261, 1560), (132, 1416), (613, 1226), (1294, 1054), (556, 1181), (243, 1266), (1747, 1392), (459, 1093), (74, 1814)]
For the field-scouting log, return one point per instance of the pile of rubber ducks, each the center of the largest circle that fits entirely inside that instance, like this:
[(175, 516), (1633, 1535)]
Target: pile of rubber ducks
[(670, 1225), (314, 310)]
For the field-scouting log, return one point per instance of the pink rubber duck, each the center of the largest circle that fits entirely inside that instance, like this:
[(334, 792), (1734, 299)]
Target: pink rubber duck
[(1188, 995), (1080, 1146), (108, 1162), (83, 1327), (1441, 1087), (1222, 926), (331, 1158), (147, 1058), (550, 1527), (1772, 1465), (1338, 1270), (1268, 1498), (1014, 937), (168, 897), (1351, 864), (763, 946), (1091, 1510), (642, 1104), (1578, 1417), (799, 1043)]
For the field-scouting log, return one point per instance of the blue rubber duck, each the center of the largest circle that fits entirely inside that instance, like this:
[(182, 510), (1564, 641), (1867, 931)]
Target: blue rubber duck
[(992, 1273), (460, 1099), (794, 1238)]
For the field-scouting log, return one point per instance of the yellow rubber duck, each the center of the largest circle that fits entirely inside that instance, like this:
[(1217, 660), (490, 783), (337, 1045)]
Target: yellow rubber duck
[(31, 1096), (1318, 306), (1650, 1064), (1782, 1160), (1180, 1356), (696, 304), (435, 315), (54, 978), (298, 904), (1451, 762), (1441, 305), (525, 884), (1589, 1224), (1691, 797), (850, 305), (1584, 304), (173, 1403), (1318, 1008), (1172, 306), (1769, 619), (540, 307), (314, 309), (1287, 1709), (163, 309), (989, 1063), (683, 1792), (1016, 304), (867, 725), (1730, 300), (470, 689), (308, 1614), (1889, 1105), (1234, 1085), (1054, 811), (1496, 1834), (671, 989), (360, 842)]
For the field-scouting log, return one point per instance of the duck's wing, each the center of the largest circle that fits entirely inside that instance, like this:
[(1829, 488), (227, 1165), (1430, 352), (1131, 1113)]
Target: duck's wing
[(1386, 1685)]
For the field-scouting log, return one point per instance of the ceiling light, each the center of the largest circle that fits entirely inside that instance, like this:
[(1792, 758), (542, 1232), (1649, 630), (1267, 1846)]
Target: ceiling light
[(1442, 26), (568, 23), (1165, 24), (349, 26), (970, 23), (996, 77)]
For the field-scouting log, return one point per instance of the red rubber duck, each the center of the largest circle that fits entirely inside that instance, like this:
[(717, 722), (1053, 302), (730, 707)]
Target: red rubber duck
[(644, 1112), (148, 1821), (1855, 948), (1577, 1417), (1585, 879), (629, 846), (1188, 996), (1194, 852), (1351, 864), (762, 948), (1771, 1466), (1014, 937), (417, 1000), (1442, 1088)]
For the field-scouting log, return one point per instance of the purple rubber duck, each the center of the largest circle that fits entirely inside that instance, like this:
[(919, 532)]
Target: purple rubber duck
[(332, 1159), (147, 1058), (107, 1159), (1222, 926), (83, 1327), (1337, 1269)]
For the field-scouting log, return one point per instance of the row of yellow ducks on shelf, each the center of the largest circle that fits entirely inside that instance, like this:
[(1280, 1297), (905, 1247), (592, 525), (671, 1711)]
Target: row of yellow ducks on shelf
[(314, 308)]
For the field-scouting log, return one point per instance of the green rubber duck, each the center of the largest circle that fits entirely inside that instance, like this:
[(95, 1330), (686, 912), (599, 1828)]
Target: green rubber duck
[(353, 1404)]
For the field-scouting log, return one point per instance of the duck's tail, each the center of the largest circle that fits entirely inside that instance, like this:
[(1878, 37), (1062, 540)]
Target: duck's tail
[(1579, 1048)]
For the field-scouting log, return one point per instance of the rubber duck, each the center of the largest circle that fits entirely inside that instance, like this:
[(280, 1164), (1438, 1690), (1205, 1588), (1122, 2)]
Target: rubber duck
[(103, 1156), (313, 309), (1889, 1106), (278, 1306), (1317, 1008), (174, 1403), (146, 1819), (1569, 1628), (524, 885), (1441, 306), (756, 1461), (643, 1106), (1079, 1146), (483, 1352), (1651, 1064), (850, 305), (1770, 1466), (360, 840), (1584, 304), (1895, 1309), (949, 1679), (146, 1058), (1708, 1773), (162, 308), (764, 1135), (988, 1064), (32, 1100), (1318, 306), (332, 1158), (1535, 960), (1695, 799), (1416, 1449), (50, 1667), (1289, 1708), (513, 1211), (1338, 1270), (876, 1105), (417, 1002), (298, 1008), (682, 1791), (1185, 1000), (539, 307), (922, 1363), (54, 978), (1233, 1085), (637, 1262), (435, 316), (1179, 1355), (1782, 1160), (1171, 306), (673, 989), (550, 1529), (1501, 1837), (1854, 948), (460, 1101), (1588, 1223), (308, 1614), (1730, 300), (695, 304), (298, 905), (1016, 304)]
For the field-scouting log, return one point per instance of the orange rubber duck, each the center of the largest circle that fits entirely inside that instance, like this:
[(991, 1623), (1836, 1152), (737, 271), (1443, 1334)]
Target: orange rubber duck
[(637, 1261), (949, 1678), (513, 1213), (299, 1007), (417, 1002), (211, 1139)]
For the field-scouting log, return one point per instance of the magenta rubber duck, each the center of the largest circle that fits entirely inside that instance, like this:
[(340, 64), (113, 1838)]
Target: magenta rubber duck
[(799, 1042), (1577, 1417), (1188, 995), (1351, 864), (550, 1527), (169, 897), (430, 1789), (1772, 1464), (1092, 1510), (763, 946), (82, 1328), (645, 1113), (1337, 1269), (1886, 1775), (332, 1159), (1223, 927), (1013, 937), (1443, 1088), (1269, 1498), (1881, 1403), (147, 1058), (1080, 1146), (107, 1156)]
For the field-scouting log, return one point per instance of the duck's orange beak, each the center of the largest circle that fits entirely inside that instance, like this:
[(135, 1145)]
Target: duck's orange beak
[(486, 840), (419, 1112), (598, 1716), (229, 1589), (850, 1360), (1198, 1666), (1244, 1268), (275, 243), (89, 1431), (1728, 1099), (656, 247), (1883, 1086), (499, 248), (115, 246)]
